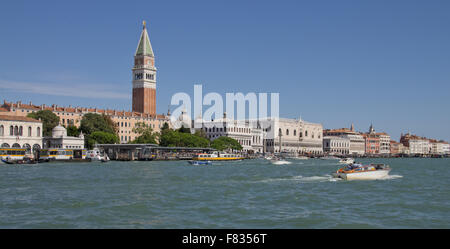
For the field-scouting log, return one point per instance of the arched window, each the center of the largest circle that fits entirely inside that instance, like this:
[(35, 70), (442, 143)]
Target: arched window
[(1, 130), (279, 132), (36, 147), (312, 135), (11, 130), (295, 132), (16, 130), (29, 131), (5, 145), (16, 145), (20, 131), (27, 147), (38, 132), (287, 132), (301, 134), (306, 133)]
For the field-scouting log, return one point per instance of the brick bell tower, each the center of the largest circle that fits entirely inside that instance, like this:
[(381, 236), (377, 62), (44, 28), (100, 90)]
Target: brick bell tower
[(144, 76)]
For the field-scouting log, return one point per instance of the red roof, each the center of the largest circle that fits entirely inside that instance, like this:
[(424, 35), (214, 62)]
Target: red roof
[(18, 118)]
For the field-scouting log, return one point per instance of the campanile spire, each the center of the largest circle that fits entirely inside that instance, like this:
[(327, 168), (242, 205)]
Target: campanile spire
[(144, 76)]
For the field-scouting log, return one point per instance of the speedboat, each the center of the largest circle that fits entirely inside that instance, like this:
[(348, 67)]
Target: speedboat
[(195, 162), (96, 156), (301, 158), (363, 172), (279, 161), (347, 160), (330, 158)]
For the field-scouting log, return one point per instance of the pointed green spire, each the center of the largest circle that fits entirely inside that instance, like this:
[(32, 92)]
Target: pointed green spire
[(144, 46)]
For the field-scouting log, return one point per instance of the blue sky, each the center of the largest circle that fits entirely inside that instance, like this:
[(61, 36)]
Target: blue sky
[(333, 62)]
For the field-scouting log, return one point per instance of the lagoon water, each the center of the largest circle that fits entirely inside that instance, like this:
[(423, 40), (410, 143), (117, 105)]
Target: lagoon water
[(246, 194)]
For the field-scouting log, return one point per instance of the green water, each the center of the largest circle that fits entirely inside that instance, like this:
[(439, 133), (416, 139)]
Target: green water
[(247, 194)]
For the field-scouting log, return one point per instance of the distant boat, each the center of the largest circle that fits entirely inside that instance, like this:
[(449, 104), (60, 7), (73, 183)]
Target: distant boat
[(363, 172), (299, 157), (25, 160), (279, 161), (347, 160), (96, 156), (330, 158), (217, 157), (194, 162)]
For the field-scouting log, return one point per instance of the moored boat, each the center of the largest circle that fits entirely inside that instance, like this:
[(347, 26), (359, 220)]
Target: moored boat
[(96, 155), (363, 172), (25, 160)]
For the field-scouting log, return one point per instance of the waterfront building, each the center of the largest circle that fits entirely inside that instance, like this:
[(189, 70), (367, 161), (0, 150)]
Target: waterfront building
[(294, 136), (249, 135), (357, 144), (20, 132), (357, 141), (385, 143), (143, 102), (446, 148), (438, 147), (377, 143), (60, 140), (336, 145), (419, 145)]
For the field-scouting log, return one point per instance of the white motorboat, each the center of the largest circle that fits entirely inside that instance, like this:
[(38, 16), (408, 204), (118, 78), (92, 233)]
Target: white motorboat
[(363, 172), (279, 161), (330, 158), (96, 156), (347, 160), (300, 158)]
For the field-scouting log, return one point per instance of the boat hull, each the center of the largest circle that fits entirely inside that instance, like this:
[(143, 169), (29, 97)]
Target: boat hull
[(200, 162), (280, 162), (365, 175)]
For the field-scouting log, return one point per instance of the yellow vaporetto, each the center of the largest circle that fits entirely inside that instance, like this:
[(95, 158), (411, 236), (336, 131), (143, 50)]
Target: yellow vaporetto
[(215, 157)]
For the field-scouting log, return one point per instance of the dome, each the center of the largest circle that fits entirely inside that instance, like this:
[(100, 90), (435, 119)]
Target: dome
[(184, 119), (59, 131)]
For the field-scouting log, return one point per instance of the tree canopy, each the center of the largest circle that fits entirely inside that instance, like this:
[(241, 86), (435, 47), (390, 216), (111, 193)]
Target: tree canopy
[(72, 131), (145, 134), (101, 137), (171, 138), (98, 129), (92, 122), (226, 143), (49, 120)]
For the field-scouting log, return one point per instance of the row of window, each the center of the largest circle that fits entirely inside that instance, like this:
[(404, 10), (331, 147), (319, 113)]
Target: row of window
[(18, 131), (148, 76), (295, 133), (17, 146), (232, 129)]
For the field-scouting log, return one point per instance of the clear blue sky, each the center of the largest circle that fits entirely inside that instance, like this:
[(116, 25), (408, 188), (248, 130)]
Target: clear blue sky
[(333, 62)]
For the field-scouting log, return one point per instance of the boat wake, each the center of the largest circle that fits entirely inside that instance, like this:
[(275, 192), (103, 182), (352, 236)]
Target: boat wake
[(302, 179), (391, 177)]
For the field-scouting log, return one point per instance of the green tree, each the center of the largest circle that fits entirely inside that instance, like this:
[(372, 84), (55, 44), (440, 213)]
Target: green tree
[(173, 138), (101, 137), (146, 134), (92, 123), (226, 143), (72, 131), (49, 120)]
